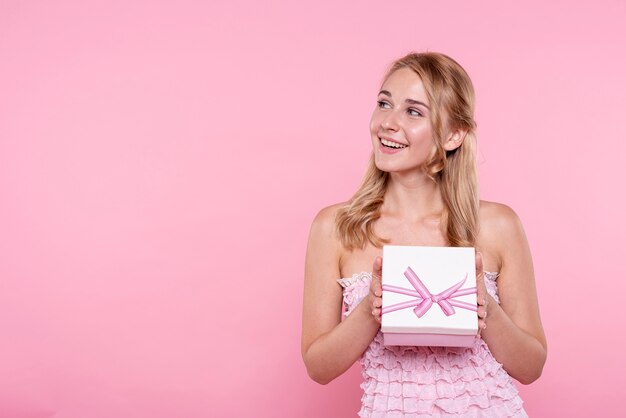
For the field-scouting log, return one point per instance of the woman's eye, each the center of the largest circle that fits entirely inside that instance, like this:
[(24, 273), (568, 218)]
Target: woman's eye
[(383, 105), (414, 112)]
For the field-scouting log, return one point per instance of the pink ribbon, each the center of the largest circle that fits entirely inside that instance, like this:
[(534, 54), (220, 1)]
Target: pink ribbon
[(425, 299)]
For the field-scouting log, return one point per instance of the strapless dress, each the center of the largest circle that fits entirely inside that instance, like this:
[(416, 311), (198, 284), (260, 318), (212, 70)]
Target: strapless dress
[(405, 381)]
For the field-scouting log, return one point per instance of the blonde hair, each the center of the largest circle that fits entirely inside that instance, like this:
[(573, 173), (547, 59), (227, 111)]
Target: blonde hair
[(451, 96)]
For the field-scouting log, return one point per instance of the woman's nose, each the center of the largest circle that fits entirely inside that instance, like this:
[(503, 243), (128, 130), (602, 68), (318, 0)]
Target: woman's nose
[(390, 122)]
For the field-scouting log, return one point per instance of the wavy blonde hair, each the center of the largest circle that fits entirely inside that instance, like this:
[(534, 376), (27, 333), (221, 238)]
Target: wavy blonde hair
[(451, 96)]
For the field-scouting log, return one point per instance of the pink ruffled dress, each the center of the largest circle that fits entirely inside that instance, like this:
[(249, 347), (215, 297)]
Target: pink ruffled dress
[(402, 381)]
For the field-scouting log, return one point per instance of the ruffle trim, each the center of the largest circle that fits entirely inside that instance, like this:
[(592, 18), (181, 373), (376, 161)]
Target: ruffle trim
[(404, 381), (363, 278), (434, 381), (355, 288)]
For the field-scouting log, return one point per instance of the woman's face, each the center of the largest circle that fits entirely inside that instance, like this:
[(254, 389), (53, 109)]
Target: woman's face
[(400, 125)]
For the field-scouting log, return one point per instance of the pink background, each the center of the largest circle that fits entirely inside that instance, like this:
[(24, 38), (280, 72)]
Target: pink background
[(161, 163)]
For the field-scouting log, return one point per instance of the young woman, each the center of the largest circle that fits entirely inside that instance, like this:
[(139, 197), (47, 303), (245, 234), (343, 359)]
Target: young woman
[(421, 189)]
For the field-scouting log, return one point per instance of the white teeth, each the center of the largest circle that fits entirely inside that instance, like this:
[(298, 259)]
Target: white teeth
[(392, 144)]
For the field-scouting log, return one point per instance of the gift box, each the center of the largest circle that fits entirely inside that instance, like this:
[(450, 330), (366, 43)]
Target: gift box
[(429, 296)]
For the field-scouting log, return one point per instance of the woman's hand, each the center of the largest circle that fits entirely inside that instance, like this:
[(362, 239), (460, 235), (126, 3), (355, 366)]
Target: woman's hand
[(375, 296), (375, 300), (482, 298)]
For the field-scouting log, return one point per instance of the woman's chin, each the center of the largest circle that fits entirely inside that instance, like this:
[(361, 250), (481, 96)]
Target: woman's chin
[(395, 168)]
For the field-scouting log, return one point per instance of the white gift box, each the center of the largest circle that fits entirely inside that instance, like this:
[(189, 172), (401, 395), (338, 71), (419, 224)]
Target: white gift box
[(429, 296)]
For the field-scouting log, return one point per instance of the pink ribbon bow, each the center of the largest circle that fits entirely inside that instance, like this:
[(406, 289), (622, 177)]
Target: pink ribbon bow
[(425, 299)]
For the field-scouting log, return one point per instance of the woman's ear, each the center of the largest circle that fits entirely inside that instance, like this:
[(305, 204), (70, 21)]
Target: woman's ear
[(455, 139)]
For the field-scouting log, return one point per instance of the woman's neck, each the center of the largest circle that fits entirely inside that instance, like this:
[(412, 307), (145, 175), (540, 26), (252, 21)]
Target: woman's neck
[(414, 198)]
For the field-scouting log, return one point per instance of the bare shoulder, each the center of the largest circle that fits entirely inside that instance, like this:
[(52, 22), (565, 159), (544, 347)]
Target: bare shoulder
[(323, 233), (497, 217), (327, 215), (501, 229), (324, 222)]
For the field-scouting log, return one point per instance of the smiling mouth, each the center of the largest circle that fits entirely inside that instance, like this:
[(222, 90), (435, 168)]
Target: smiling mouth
[(390, 144)]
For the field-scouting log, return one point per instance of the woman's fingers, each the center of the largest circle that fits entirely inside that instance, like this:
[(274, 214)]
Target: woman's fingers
[(377, 304), (378, 265), (377, 273), (481, 290), (481, 293), (376, 313), (479, 263), (482, 314), (481, 325), (376, 288), (481, 299)]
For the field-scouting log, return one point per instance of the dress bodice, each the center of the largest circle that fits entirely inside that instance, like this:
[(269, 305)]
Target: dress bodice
[(405, 381)]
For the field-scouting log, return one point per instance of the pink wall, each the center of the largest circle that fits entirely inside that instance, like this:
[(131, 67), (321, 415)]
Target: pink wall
[(161, 162)]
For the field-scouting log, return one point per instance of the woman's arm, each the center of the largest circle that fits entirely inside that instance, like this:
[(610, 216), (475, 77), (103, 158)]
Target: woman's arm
[(514, 332), (330, 346)]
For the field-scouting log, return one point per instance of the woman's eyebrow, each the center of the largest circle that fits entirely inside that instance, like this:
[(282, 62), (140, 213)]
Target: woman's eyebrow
[(417, 102), (409, 101)]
